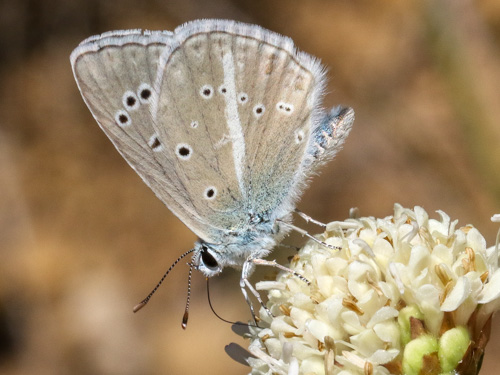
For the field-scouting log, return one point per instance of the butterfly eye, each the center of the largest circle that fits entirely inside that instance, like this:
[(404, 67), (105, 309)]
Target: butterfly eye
[(208, 259)]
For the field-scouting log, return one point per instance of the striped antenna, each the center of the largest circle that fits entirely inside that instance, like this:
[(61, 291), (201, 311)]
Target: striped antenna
[(146, 300), (186, 311)]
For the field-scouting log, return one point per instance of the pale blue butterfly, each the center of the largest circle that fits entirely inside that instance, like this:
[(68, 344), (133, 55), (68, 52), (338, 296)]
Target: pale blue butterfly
[(223, 121)]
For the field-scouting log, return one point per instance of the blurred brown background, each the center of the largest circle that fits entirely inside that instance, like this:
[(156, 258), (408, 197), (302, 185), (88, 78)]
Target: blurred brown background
[(82, 239)]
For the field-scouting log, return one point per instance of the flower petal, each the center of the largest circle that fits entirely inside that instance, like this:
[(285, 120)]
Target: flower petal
[(458, 294), (491, 290)]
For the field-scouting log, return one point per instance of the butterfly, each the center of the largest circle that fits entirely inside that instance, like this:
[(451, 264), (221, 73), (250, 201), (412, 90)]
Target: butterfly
[(223, 121)]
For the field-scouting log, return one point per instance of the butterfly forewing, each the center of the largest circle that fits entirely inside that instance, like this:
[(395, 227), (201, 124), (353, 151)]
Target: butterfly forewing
[(116, 79), (109, 81)]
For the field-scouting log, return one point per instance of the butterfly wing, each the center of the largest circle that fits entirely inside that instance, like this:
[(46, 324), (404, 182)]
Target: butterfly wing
[(115, 73), (261, 130), (219, 118)]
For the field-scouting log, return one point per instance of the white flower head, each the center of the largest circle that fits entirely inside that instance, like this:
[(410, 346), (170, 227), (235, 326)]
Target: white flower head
[(404, 293)]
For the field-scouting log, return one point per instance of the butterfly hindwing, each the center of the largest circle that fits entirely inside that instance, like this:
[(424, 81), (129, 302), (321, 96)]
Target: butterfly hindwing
[(277, 139), (253, 100), (191, 111)]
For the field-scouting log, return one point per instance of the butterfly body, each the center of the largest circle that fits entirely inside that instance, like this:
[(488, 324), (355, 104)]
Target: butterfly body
[(222, 120), (238, 247)]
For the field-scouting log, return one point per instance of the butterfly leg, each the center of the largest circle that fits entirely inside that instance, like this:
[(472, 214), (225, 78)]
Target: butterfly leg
[(250, 287), (245, 284), (305, 233), (273, 263), (309, 219)]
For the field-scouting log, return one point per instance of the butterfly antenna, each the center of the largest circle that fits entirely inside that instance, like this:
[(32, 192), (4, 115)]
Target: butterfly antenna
[(186, 311), (221, 318), (146, 300)]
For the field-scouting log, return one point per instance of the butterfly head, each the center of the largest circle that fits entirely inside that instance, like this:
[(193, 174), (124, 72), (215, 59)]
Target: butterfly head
[(207, 259)]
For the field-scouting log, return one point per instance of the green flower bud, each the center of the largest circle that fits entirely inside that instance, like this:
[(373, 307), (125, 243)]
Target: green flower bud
[(452, 347), (404, 321), (414, 352)]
